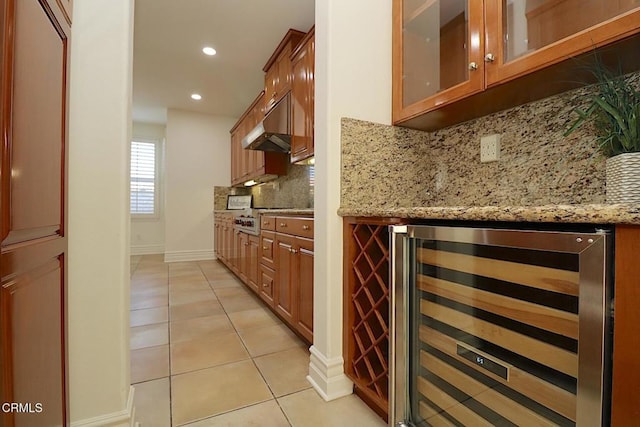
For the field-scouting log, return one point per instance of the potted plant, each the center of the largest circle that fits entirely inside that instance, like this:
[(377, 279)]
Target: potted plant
[(614, 110)]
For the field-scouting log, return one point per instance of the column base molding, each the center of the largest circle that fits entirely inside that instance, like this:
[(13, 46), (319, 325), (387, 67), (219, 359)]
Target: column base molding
[(327, 376)]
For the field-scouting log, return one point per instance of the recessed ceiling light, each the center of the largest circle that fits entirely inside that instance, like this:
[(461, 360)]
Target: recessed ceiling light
[(196, 96), (209, 51)]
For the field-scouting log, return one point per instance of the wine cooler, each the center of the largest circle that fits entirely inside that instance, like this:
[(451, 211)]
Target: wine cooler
[(500, 327)]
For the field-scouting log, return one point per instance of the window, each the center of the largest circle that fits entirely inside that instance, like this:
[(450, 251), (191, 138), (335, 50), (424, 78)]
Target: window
[(144, 194)]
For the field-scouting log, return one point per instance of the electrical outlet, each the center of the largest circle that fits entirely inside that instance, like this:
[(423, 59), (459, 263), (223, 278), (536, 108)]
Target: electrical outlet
[(490, 148)]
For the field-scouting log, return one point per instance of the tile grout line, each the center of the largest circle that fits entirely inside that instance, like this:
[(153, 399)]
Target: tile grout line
[(252, 359)]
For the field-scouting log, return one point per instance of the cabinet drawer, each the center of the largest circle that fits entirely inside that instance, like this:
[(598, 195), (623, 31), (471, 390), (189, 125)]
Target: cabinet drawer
[(268, 222), (302, 227), (266, 248), (266, 284)]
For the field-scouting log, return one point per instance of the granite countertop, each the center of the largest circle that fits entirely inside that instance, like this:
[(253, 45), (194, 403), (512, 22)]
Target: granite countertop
[(592, 213), (281, 211), (291, 211)]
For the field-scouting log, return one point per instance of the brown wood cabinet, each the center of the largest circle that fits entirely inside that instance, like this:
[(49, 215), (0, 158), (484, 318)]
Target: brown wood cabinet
[(35, 46), (293, 285), (267, 252), (444, 55), (366, 309), (625, 410), (252, 261), (278, 69), (267, 278), (284, 293), (255, 165), (277, 265), (304, 277), (302, 98)]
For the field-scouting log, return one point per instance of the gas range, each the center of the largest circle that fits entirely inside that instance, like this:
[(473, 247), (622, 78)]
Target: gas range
[(248, 221)]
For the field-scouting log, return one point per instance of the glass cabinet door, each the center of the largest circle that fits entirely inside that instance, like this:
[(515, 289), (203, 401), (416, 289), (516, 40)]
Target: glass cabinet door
[(524, 35), (440, 50)]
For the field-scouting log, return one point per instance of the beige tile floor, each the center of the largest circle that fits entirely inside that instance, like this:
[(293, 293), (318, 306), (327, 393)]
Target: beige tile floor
[(206, 352)]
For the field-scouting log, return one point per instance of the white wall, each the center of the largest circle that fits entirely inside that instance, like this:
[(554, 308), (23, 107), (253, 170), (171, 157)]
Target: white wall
[(197, 154), (98, 260), (147, 234), (353, 79)]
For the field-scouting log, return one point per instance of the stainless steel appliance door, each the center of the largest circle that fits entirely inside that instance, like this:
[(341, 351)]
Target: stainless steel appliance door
[(499, 327)]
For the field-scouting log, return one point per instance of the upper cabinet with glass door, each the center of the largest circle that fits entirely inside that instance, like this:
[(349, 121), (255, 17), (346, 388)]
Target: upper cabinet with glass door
[(448, 50), (437, 50)]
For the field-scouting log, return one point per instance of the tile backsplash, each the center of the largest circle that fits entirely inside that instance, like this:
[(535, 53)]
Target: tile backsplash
[(389, 166)]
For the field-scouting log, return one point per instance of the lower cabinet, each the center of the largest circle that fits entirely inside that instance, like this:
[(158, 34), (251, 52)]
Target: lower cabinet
[(251, 262), (267, 278), (293, 285), (305, 288), (285, 293), (366, 309), (277, 265)]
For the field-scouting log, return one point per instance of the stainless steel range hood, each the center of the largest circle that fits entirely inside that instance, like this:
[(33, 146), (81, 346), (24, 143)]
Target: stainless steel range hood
[(274, 132)]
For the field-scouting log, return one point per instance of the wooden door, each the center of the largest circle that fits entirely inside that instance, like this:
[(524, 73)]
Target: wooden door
[(266, 248), (270, 85), (253, 260), (227, 241), (302, 101), (33, 205), (237, 253), (235, 159), (305, 287), (216, 236), (284, 292), (266, 284), (430, 39)]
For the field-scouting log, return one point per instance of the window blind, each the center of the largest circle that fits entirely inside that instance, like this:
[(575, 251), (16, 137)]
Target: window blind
[(143, 178)]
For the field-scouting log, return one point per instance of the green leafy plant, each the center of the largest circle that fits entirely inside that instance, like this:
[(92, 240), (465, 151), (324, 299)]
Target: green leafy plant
[(614, 110)]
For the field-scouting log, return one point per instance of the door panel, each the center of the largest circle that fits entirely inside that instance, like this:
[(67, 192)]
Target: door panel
[(33, 243), (305, 288), (38, 98), (284, 292), (37, 363)]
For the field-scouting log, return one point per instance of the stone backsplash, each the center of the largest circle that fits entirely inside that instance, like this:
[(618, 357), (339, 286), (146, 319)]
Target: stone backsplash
[(294, 190), (387, 166)]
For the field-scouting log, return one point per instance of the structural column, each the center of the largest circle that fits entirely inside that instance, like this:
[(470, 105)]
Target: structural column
[(352, 79)]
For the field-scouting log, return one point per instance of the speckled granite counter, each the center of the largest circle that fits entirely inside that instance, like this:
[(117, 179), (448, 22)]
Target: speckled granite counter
[(290, 211), (594, 214), (305, 212)]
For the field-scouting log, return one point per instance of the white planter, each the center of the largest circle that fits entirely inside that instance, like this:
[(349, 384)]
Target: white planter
[(623, 178)]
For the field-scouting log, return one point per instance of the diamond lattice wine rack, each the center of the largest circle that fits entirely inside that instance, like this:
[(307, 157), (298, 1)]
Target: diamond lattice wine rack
[(367, 309)]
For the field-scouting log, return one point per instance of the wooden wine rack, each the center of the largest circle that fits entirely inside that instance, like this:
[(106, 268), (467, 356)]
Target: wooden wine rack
[(366, 309)]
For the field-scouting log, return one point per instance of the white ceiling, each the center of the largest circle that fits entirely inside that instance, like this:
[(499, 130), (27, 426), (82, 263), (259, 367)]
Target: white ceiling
[(169, 64)]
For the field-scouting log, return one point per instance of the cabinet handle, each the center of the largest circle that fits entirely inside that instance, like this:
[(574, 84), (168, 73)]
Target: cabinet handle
[(264, 285), (265, 223), (293, 251), (489, 57), (265, 248), (473, 66), (282, 224), (246, 244), (306, 227)]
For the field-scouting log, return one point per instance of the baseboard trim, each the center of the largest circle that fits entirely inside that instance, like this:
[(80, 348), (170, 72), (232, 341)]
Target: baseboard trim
[(147, 249), (120, 418), (327, 376), (181, 256)]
